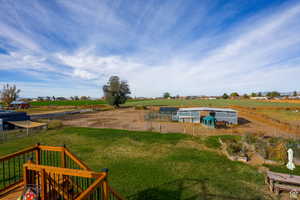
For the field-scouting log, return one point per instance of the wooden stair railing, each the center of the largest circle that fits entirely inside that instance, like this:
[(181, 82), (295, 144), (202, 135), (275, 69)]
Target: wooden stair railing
[(57, 172), (11, 168)]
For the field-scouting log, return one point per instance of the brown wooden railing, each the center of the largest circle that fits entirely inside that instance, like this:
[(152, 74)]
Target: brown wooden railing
[(55, 173)]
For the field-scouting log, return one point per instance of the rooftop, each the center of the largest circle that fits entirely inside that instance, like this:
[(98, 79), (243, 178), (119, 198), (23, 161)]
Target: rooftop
[(207, 109)]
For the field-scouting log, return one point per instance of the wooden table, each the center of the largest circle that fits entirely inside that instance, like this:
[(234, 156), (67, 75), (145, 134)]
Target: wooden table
[(283, 182)]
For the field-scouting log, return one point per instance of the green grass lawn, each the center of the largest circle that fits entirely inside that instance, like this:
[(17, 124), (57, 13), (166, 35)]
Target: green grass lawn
[(147, 165), (214, 102)]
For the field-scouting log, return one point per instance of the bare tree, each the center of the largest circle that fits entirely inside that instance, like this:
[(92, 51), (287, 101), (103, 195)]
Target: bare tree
[(9, 94)]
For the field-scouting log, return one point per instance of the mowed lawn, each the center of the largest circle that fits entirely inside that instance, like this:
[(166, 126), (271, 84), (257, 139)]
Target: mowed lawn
[(147, 165)]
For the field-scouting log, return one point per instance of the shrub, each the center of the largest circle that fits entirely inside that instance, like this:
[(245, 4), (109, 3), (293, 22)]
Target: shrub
[(235, 148), (250, 138), (54, 124), (278, 152), (140, 108)]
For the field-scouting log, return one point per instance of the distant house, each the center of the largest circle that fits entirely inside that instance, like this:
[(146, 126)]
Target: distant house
[(19, 105), (259, 98)]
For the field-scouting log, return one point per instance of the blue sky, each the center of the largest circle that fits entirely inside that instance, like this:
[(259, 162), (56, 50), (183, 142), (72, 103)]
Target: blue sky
[(185, 47)]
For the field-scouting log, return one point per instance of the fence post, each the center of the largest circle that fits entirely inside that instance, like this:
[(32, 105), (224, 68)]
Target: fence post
[(105, 189), (63, 157), (38, 154)]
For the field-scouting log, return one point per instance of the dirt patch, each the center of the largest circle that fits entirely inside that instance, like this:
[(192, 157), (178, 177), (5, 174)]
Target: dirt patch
[(131, 119)]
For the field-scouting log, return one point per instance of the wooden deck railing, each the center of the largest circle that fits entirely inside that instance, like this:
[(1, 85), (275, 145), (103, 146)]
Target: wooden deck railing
[(56, 172), (11, 168)]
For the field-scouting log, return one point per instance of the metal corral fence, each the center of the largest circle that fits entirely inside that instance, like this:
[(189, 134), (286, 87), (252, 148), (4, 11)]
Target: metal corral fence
[(6, 136), (59, 114), (156, 116)]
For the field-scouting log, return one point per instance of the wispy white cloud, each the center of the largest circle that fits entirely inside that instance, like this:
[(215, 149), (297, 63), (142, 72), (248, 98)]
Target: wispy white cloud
[(178, 47)]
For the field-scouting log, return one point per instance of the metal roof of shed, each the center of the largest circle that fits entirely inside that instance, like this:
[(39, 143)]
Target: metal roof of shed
[(18, 102), (208, 109)]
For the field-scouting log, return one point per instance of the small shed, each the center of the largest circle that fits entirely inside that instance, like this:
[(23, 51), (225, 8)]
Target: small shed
[(8, 116), (209, 121), (19, 105)]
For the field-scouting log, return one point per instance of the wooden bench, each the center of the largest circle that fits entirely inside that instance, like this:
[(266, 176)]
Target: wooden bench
[(279, 182), (287, 188)]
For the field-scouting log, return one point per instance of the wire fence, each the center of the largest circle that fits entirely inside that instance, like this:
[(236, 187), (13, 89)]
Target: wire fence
[(9, 135)]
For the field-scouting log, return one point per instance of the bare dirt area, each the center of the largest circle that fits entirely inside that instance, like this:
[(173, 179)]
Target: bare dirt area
[(131, 119)]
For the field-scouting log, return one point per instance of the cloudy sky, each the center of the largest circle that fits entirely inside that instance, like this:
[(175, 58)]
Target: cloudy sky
[(186, 47)]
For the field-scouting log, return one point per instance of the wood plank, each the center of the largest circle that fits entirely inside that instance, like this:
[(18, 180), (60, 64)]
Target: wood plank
[(50, 148), (63, 171), (11, 188), (14, 194), (9, 156), (287, 187), (90, 189), (284, 178)]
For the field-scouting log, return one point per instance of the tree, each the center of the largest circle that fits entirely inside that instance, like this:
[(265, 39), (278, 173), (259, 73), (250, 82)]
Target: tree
[(225, 96), (273, 94), (9, 94), (245, 96), (234, 94), (166, 95), (116, 92), (253, 94), (259, 94), (84, 98), (295, 93)]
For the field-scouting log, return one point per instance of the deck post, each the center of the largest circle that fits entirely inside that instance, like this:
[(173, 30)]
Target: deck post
[(105, 189), (37, 154), (63, 157), (25, 176), (43, 184)]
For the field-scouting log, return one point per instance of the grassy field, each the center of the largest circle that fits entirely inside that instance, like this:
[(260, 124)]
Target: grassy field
[(147, 165), (173, 102), (215, 102), (68, 103), (283, 115)]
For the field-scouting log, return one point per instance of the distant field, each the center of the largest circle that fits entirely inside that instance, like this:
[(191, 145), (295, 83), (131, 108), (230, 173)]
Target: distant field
[(68, 103), (215, 102), (175, 102), (73, 103), (289, 116)]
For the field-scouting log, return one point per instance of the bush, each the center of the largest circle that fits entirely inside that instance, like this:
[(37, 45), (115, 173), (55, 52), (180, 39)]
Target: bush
[(54, 124), (250, 138), (140, 108), (235, 148), (277, 152)]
